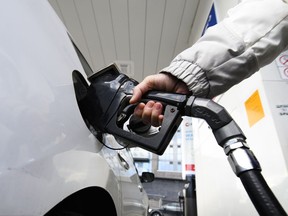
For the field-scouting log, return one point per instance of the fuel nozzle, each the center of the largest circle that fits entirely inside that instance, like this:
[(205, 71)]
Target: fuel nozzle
[(108, 109)]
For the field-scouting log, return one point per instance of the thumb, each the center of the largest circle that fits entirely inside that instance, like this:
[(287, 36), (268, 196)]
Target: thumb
[(137, 95), (147, 84)]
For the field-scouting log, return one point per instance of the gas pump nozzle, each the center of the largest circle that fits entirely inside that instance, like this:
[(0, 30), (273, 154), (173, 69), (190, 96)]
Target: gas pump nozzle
[(108, 108)]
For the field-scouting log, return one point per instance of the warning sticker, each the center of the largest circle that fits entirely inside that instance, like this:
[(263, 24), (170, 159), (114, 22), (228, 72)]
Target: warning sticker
[(254, 108), (282, 64)]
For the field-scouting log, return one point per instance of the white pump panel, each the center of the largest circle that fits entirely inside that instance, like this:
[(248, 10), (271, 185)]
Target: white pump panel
[(259, 105)]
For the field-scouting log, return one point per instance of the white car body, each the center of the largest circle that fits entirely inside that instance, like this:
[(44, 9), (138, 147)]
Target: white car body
[(47, 153)]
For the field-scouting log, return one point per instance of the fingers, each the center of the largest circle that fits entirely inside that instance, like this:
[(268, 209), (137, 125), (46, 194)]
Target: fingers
[(139, 110), (150, 113)]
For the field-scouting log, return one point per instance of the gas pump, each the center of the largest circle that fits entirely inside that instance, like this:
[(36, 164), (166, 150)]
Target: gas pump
[(107, 108)]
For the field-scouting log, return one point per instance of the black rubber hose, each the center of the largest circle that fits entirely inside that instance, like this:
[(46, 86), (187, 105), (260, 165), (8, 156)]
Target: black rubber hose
[(260, 194)]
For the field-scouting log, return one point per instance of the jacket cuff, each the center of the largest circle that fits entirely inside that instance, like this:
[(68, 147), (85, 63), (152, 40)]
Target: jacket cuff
[(193, 75)]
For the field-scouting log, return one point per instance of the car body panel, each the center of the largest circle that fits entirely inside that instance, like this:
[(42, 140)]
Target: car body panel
[(47, 152)]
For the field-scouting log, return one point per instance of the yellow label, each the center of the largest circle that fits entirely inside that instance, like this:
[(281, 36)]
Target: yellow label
[(254, 108)]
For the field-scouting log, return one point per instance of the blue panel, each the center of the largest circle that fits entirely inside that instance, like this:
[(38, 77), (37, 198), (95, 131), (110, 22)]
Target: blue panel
[(211, 20)]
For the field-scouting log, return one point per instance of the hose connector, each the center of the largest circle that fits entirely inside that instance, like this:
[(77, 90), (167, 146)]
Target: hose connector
[(240, 157)]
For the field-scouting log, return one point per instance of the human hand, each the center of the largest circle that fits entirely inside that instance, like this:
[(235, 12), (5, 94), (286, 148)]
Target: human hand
[(151, 112)]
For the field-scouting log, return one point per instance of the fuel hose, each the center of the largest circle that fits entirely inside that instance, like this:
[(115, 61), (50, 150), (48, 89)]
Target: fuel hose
[(260, 194)]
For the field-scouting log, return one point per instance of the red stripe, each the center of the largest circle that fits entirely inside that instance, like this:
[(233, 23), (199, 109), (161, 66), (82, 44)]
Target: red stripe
[(190, 167)]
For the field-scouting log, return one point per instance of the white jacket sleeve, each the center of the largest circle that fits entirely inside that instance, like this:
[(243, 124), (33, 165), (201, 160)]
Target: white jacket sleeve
[(254, 33)]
